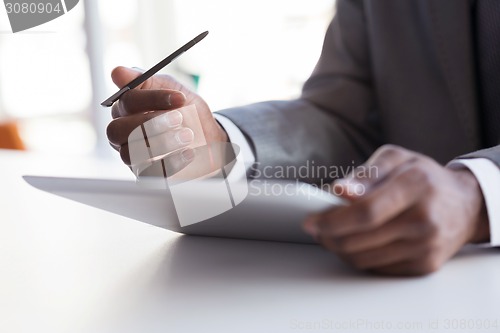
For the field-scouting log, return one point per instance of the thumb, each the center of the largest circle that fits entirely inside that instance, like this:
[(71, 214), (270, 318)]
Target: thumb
[(123, 75)]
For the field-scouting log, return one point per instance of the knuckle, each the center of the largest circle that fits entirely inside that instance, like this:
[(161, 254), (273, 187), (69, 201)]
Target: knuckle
[(390, 150), (429, 229), (429, 220), (432, 219), (419, 174), (428, 265), (431, 246)]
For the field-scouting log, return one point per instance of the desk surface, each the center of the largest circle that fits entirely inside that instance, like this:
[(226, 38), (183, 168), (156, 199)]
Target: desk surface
[(65, 267)]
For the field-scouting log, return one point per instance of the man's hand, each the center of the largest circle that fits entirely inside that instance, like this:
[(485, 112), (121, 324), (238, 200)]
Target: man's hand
[(413, 217), (158, 97)]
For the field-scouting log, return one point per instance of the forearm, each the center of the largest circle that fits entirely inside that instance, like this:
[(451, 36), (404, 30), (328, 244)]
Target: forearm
[(295, 134)]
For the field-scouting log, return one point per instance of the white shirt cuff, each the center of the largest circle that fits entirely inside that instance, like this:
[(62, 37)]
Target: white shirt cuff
[(236, 136), (488, 177)]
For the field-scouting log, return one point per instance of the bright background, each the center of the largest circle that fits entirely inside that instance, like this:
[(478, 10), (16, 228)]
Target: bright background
[(53, 77)]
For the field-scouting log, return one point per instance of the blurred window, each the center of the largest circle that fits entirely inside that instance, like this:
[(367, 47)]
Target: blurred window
[(45, 83), (52, 76)]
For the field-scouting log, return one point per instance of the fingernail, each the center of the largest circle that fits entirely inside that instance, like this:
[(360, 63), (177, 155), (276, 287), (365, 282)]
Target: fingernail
[(168, 120), (310, 226), (184, 136), (176, 99), (137, 69), (187, 155)]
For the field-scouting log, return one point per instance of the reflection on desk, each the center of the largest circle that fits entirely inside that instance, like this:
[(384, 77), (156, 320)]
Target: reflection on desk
[(71, 268)]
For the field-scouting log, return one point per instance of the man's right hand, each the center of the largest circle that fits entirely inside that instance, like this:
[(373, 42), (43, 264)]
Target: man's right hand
[(158, 97)]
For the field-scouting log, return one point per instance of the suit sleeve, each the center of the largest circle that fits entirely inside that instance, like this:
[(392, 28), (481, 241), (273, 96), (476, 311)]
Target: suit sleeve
[(492, 154), (334, 123)]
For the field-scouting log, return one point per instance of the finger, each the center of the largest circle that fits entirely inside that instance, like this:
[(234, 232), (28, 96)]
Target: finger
[(139, 151), (391, 254), (121, 76), (167, 166), (155, 123), (140, 101), (403, 227), (115, 147), (392, 197), (379, 165)]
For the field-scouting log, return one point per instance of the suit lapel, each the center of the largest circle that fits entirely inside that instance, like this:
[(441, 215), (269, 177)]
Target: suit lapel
[(453, 37)]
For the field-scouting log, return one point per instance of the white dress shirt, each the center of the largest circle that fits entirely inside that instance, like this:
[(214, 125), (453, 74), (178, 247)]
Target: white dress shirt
[(488, 177), (484, 170)]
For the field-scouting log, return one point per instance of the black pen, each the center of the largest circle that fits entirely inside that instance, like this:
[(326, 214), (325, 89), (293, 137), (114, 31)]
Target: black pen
[(153, 70)]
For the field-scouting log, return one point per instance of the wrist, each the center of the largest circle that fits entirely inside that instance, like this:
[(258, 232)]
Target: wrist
[(480, 229), (223, 134)]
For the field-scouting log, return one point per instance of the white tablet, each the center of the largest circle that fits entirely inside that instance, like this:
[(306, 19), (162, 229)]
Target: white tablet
[(269, 210)]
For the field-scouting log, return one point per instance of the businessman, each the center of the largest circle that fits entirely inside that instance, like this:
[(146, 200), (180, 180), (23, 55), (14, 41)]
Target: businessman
[(409, 87)]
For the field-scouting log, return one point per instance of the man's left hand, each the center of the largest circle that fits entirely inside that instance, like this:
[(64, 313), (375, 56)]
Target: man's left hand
[(413, 215)]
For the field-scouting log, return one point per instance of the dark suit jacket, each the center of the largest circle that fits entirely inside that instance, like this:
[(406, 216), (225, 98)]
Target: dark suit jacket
[(391, 71)]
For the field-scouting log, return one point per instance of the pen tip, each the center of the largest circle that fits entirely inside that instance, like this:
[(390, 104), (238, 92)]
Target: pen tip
[(201, 36)]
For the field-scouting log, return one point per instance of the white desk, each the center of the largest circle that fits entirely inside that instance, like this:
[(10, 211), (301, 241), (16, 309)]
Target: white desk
[(70, 268)]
